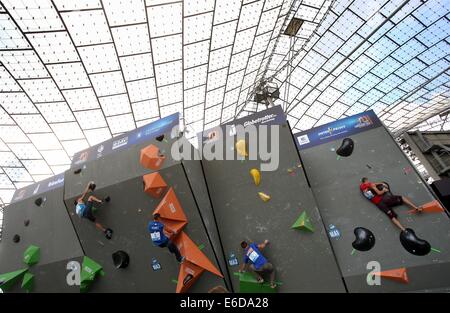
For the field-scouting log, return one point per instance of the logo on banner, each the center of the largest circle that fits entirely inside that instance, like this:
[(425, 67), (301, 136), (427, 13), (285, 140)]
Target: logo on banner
[(364, 121), (120, 143), (83, 157), (56, 182), (100, 151), (212, 136), (303, 139)]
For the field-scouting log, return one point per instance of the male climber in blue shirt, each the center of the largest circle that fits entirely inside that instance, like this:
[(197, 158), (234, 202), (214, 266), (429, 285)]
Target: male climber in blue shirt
[(159, 238), (254, 259), (85, 209)]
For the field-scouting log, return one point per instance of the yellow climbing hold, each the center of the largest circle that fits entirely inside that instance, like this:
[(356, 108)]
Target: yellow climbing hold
[(241, 148), (256, 176), (263, 196)]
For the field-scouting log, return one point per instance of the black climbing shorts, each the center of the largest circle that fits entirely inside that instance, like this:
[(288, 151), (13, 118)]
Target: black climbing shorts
[(266, 268), (388, 202), (88, 211)]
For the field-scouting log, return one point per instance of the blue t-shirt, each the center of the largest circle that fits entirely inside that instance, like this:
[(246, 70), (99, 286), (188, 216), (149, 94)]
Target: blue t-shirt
[(80, 208), (254, 256), (157, 233)]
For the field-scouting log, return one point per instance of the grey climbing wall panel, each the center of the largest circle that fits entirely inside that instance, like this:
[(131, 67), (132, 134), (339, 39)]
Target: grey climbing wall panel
[(335, 184), (49, 228), (128, 214), (114, 168), (304, 261), (194, 173)]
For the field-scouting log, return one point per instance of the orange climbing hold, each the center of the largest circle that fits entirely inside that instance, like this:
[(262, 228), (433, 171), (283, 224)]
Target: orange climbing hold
[(171, 213), (398, 274), (151, 158), (188, 275), (194, 265), (154, 185), (430, 207), (170, 207)]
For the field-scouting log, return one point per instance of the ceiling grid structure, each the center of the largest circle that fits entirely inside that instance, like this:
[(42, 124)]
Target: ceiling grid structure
[(389, 56), (75, 73)]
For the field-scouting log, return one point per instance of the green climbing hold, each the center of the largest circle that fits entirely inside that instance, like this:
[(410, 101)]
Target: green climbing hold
[(32, 255), (303, 222), (249, 284), (28, 282), (7, 280), (89, 271)]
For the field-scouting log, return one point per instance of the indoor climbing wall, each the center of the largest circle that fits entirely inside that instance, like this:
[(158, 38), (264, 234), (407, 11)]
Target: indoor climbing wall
[(38, 218), (301, 255), (335, 181), (120, 176)]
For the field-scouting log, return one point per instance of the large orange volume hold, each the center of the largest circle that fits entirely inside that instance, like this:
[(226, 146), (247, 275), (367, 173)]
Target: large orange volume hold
[(151, 158), (194, 265), (154, 185)]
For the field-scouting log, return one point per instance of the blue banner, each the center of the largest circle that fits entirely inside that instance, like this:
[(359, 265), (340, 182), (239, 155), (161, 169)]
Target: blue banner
[(36, 189), (338, 129), (134, 137)]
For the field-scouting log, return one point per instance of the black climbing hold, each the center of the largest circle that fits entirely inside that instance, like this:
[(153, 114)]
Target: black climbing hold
[(346, 147), (38, 201), (16, 238), (121, 259), (108, 233), (107, 199), (414, 244), (92, 186), (77, 171), (187, 279), (26, 222), (160, 138), (365, 240)]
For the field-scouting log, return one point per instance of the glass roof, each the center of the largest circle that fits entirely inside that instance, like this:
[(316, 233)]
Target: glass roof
[(75, 73)]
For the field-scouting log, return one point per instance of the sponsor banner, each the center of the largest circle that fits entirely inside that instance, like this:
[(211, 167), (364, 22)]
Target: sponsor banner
[(137, 136), (338, 129), (41, 187), (271, 116)]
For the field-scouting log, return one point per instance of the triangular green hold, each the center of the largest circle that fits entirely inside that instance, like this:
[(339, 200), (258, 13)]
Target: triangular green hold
[(28, 282), (84, 286), (32, 255), (89, 271), (249, 284), (303, 222), (7, 280)]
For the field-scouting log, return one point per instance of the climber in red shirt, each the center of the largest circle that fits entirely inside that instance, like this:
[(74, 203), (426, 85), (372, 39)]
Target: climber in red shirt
[(379, 194)]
